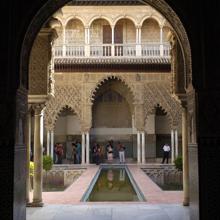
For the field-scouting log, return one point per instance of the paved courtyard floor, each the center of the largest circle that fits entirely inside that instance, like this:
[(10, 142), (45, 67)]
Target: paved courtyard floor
[(152, 192), (109, 212), (66, 205)]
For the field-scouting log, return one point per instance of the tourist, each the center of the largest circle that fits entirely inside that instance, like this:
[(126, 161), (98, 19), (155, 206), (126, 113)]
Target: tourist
[(78, 152), (59, 153), (94, 151), (56, 153), (166, 151), (102, 153), (73, 155), (121, 150), (98, 154), (109, 151)]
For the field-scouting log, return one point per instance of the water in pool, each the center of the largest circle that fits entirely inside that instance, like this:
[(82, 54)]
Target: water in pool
[(113, 184)]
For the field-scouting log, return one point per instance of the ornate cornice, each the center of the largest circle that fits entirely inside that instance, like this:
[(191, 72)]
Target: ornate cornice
[(112, 60)]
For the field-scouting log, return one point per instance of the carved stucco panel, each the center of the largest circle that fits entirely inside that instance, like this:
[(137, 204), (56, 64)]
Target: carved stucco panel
[(159, 94), (38, 66), (64, 96)]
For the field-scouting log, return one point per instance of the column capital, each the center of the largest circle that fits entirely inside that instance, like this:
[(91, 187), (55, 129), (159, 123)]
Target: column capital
[(138, 26), (38, 108)]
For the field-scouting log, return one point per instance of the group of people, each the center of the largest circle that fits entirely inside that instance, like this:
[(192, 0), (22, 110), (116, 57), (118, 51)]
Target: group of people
[(75, 153), (98, 152)]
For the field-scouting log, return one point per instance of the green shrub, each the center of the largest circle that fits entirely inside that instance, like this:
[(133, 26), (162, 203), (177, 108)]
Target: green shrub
[(31, 166), (179, 163), (47, 163)]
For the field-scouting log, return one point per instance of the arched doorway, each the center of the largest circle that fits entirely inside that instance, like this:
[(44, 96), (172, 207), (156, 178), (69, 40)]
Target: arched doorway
[(112, 115), (67, 130)]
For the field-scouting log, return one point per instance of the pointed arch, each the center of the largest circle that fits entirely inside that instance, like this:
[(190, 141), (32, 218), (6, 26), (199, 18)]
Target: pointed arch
[(106, 79), (159, 94)]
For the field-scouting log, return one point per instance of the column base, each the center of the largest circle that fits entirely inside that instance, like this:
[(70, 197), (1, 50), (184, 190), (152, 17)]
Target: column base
[(186, 202), (36, 204), (28, 204)]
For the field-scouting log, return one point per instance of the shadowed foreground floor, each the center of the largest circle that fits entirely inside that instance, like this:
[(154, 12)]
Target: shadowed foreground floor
[(117, 211)]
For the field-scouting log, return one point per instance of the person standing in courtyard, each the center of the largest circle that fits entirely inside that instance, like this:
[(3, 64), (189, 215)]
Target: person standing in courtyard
[(121, 150), (166, 151), (60, 153), (109, 149), (78, 152), (73, 155)]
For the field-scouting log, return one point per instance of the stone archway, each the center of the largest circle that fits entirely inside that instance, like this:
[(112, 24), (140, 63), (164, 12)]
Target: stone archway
[(121, 79), (112, 111)]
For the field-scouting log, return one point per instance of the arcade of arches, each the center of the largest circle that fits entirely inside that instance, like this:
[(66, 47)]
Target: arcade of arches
[(108, 74)]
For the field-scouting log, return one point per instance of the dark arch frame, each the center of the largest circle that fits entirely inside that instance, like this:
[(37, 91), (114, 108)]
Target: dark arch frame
[(52, 6)]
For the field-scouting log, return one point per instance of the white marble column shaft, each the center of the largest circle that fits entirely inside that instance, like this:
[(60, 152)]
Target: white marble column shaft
[(138, 147), (52, 144), (87, 147), (176, 144), (38, 156), (113, 41), (172, 146), (48, 142), (161, 41), (83, 148), (143, 147)]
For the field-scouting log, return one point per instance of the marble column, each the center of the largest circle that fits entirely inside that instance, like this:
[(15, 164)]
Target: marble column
[(161, 40), (83, 148), (138, 41), (38, 156), (138, 147), (172, 146), (185, 158), (88, 35), (87, 41), (143, 147), (52, 144), (64, 41), (176, 144), (28, 144), (87, 148), (139, 35), (48, 142), (113, 40)]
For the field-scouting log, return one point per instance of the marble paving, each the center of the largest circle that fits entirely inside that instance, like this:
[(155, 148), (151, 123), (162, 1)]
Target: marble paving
[(109, 212), (66, 205)]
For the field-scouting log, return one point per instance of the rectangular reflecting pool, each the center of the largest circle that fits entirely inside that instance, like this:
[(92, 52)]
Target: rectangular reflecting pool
[(113, 183)]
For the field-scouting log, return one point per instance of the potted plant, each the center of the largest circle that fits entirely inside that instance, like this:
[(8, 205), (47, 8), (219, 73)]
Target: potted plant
[(31, 167), (47, 164), (179, 163)]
